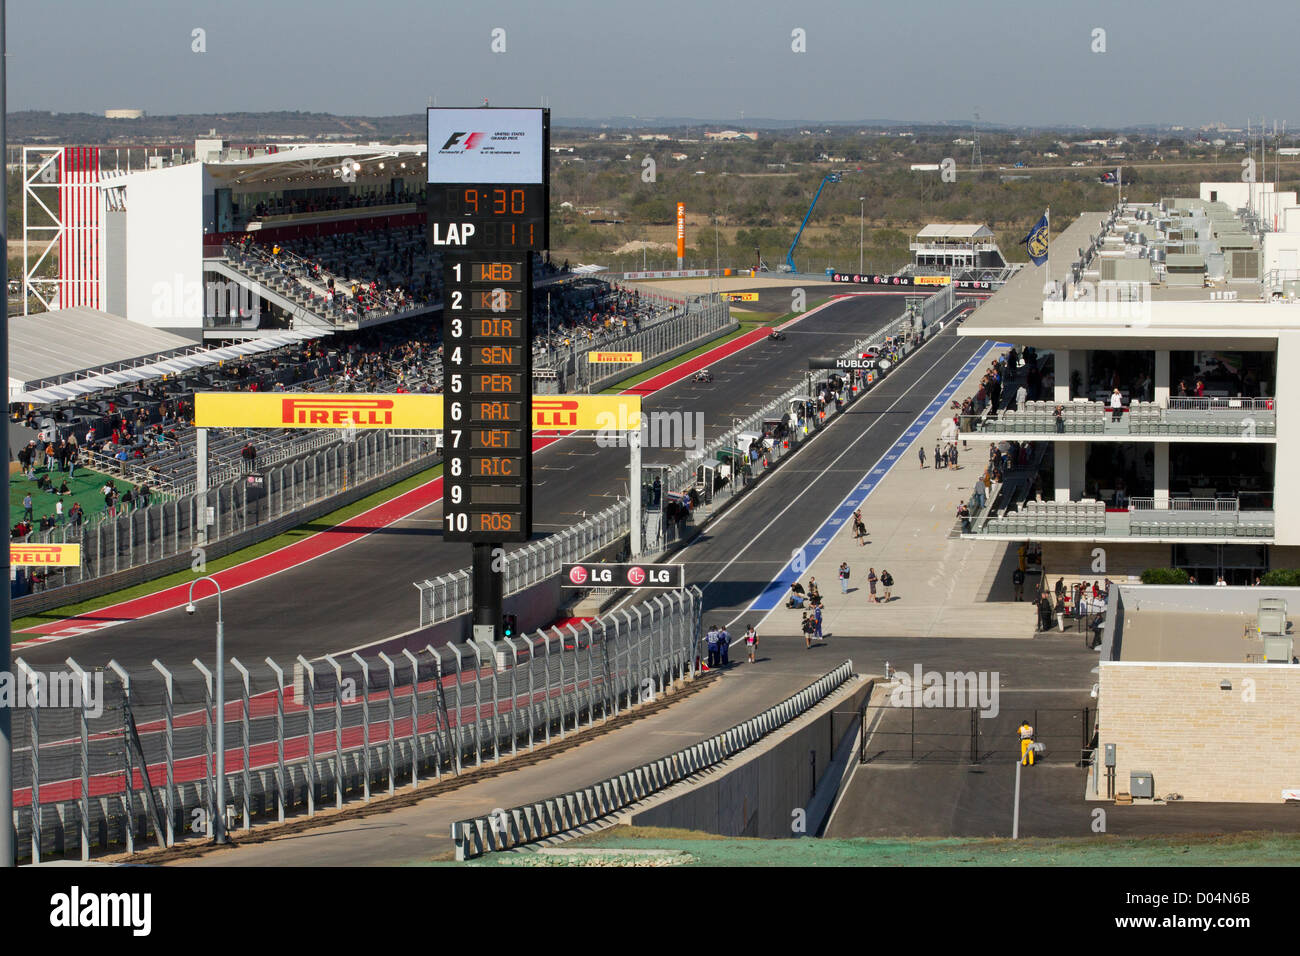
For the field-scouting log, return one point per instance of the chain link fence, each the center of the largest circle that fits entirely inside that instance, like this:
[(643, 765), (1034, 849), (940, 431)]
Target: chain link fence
[(130, 762)]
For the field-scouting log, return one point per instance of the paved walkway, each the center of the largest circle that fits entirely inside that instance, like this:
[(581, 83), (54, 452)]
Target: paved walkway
[(420, 832), (943, 586)]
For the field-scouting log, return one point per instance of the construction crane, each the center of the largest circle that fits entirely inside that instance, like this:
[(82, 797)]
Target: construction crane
[(789, 256)]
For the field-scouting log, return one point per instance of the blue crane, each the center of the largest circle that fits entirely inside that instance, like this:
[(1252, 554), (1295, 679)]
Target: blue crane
[(789, 256)]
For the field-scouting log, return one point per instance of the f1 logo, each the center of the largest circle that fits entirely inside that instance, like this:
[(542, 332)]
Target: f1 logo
[(455, 139)]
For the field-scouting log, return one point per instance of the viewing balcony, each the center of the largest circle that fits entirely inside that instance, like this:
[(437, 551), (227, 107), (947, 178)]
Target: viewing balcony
[(1243, 419), (1145, 519)]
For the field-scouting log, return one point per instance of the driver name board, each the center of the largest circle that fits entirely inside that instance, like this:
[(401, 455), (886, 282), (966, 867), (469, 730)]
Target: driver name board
[(488, 200)]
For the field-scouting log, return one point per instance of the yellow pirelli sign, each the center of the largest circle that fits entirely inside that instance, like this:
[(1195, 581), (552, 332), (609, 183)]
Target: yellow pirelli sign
[(407, 412), (931, 280), (45, 555), (614, 358), (740, 296)]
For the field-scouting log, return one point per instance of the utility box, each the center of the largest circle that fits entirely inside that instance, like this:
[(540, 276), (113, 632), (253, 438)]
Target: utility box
[(1110, 755), (1141, 785)]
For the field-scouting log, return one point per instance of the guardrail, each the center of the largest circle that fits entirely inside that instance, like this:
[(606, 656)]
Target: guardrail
[(131, 763), (563, 813), (1218, 505)]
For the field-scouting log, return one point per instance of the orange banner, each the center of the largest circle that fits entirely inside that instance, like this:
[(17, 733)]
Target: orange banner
[(681, 230)]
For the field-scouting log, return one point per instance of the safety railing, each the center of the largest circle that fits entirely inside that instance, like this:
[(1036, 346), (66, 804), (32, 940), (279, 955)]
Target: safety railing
[(112, 760), (1217, 505), (556, 816)]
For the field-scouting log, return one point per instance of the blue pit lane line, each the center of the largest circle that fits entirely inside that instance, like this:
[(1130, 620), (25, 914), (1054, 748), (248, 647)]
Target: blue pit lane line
[(776, 590)]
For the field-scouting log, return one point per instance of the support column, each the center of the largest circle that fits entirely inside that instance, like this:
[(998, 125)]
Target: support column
[(1078, 462), (634, 493), (1162, 470), (201, 481), (1061, 468), (1061, 389), (1162, 380)]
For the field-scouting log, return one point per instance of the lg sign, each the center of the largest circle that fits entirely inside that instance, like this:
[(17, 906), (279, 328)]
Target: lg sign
[(622, 575)]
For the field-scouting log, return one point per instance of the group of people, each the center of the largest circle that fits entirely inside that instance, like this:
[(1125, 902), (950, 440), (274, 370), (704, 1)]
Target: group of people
[(718, 643)]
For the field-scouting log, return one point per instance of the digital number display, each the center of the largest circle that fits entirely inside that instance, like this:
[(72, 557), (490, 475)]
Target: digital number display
[(494, 355), (495, 439), (496, 300), (495, 467), (501, 383), (473, 202), (495, 494), (495, 412), (494, 272)]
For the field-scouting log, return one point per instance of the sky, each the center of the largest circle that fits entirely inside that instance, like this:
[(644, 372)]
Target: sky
[(1176, 62)]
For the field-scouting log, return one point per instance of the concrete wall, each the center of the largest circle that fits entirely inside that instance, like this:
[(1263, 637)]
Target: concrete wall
[(1207, 744), (759, 794)]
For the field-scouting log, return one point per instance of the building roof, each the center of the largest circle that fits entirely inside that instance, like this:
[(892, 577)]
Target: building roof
[(958, 230)]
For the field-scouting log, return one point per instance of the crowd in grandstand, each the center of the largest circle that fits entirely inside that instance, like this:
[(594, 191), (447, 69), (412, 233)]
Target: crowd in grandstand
[(281, 206)]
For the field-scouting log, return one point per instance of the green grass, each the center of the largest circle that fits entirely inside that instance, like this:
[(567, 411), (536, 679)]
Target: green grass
[(238, 557), (749, 321), (85, 488), (703, 849)]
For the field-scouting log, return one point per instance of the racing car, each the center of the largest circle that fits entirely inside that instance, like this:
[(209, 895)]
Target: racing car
[(776, 336), (704, 375)]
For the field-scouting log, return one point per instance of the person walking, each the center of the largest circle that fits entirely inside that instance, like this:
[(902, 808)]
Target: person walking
[(887, 582), (920, 453), (1018, 583), (724, 647), (27, 507), (751, 641), (871, 584), (859, 529), (844, 577), (806, 626), (817, 622)]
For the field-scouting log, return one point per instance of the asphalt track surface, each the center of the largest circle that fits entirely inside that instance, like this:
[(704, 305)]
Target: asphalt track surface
[(363, 593)]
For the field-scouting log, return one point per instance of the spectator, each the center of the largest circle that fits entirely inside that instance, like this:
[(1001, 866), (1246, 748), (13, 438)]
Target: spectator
[(844, 577), (887, 582), (872, 580)]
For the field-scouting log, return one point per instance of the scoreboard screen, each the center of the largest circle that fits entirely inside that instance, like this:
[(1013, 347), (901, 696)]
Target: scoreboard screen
[(487, 362), (488, 199)]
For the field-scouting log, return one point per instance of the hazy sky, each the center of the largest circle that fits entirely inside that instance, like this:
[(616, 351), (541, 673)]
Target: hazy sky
[(1016, 62)]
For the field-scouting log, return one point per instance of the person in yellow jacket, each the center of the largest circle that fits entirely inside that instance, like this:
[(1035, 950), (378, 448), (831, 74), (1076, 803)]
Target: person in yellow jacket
[(1026, 731)]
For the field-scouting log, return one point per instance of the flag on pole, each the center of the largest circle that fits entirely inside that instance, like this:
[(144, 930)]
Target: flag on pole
[(1110, 179), (1036, 241)]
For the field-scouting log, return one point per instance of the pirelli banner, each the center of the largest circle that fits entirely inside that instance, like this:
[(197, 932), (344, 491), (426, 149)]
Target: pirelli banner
[(45, 555), (740, 296), (614, 358), (412, 412)]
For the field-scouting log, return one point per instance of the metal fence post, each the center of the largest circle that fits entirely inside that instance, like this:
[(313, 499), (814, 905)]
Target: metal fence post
[(415, 716), (208, 748), (309, 687), (84, 726), (560, 702), (365, 724), (546, 701), (128, 761), (245, 776), (280, 778), (30, 687), (169, 739), (392, 730), (460, 708), (514, 696), (338, 730)]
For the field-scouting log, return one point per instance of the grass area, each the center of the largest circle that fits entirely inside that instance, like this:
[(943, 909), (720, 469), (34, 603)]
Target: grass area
[(685, 847), (749, 321), (85, 487), (238, 557)]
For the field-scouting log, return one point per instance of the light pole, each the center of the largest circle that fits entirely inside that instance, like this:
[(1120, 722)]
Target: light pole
[(219, 817), (862, 228)]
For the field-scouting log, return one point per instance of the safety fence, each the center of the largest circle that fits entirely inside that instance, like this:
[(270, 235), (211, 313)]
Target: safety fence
[(504, 829), (694, 326), (173, 529), (724, 469), (114, 761)]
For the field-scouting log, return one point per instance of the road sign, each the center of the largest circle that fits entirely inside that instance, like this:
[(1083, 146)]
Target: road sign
[(598, 575)]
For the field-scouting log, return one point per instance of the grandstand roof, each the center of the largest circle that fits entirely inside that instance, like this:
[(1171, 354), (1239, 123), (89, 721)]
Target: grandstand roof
[(960, 230), (113, 350), (66, 341), (308, 159)]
